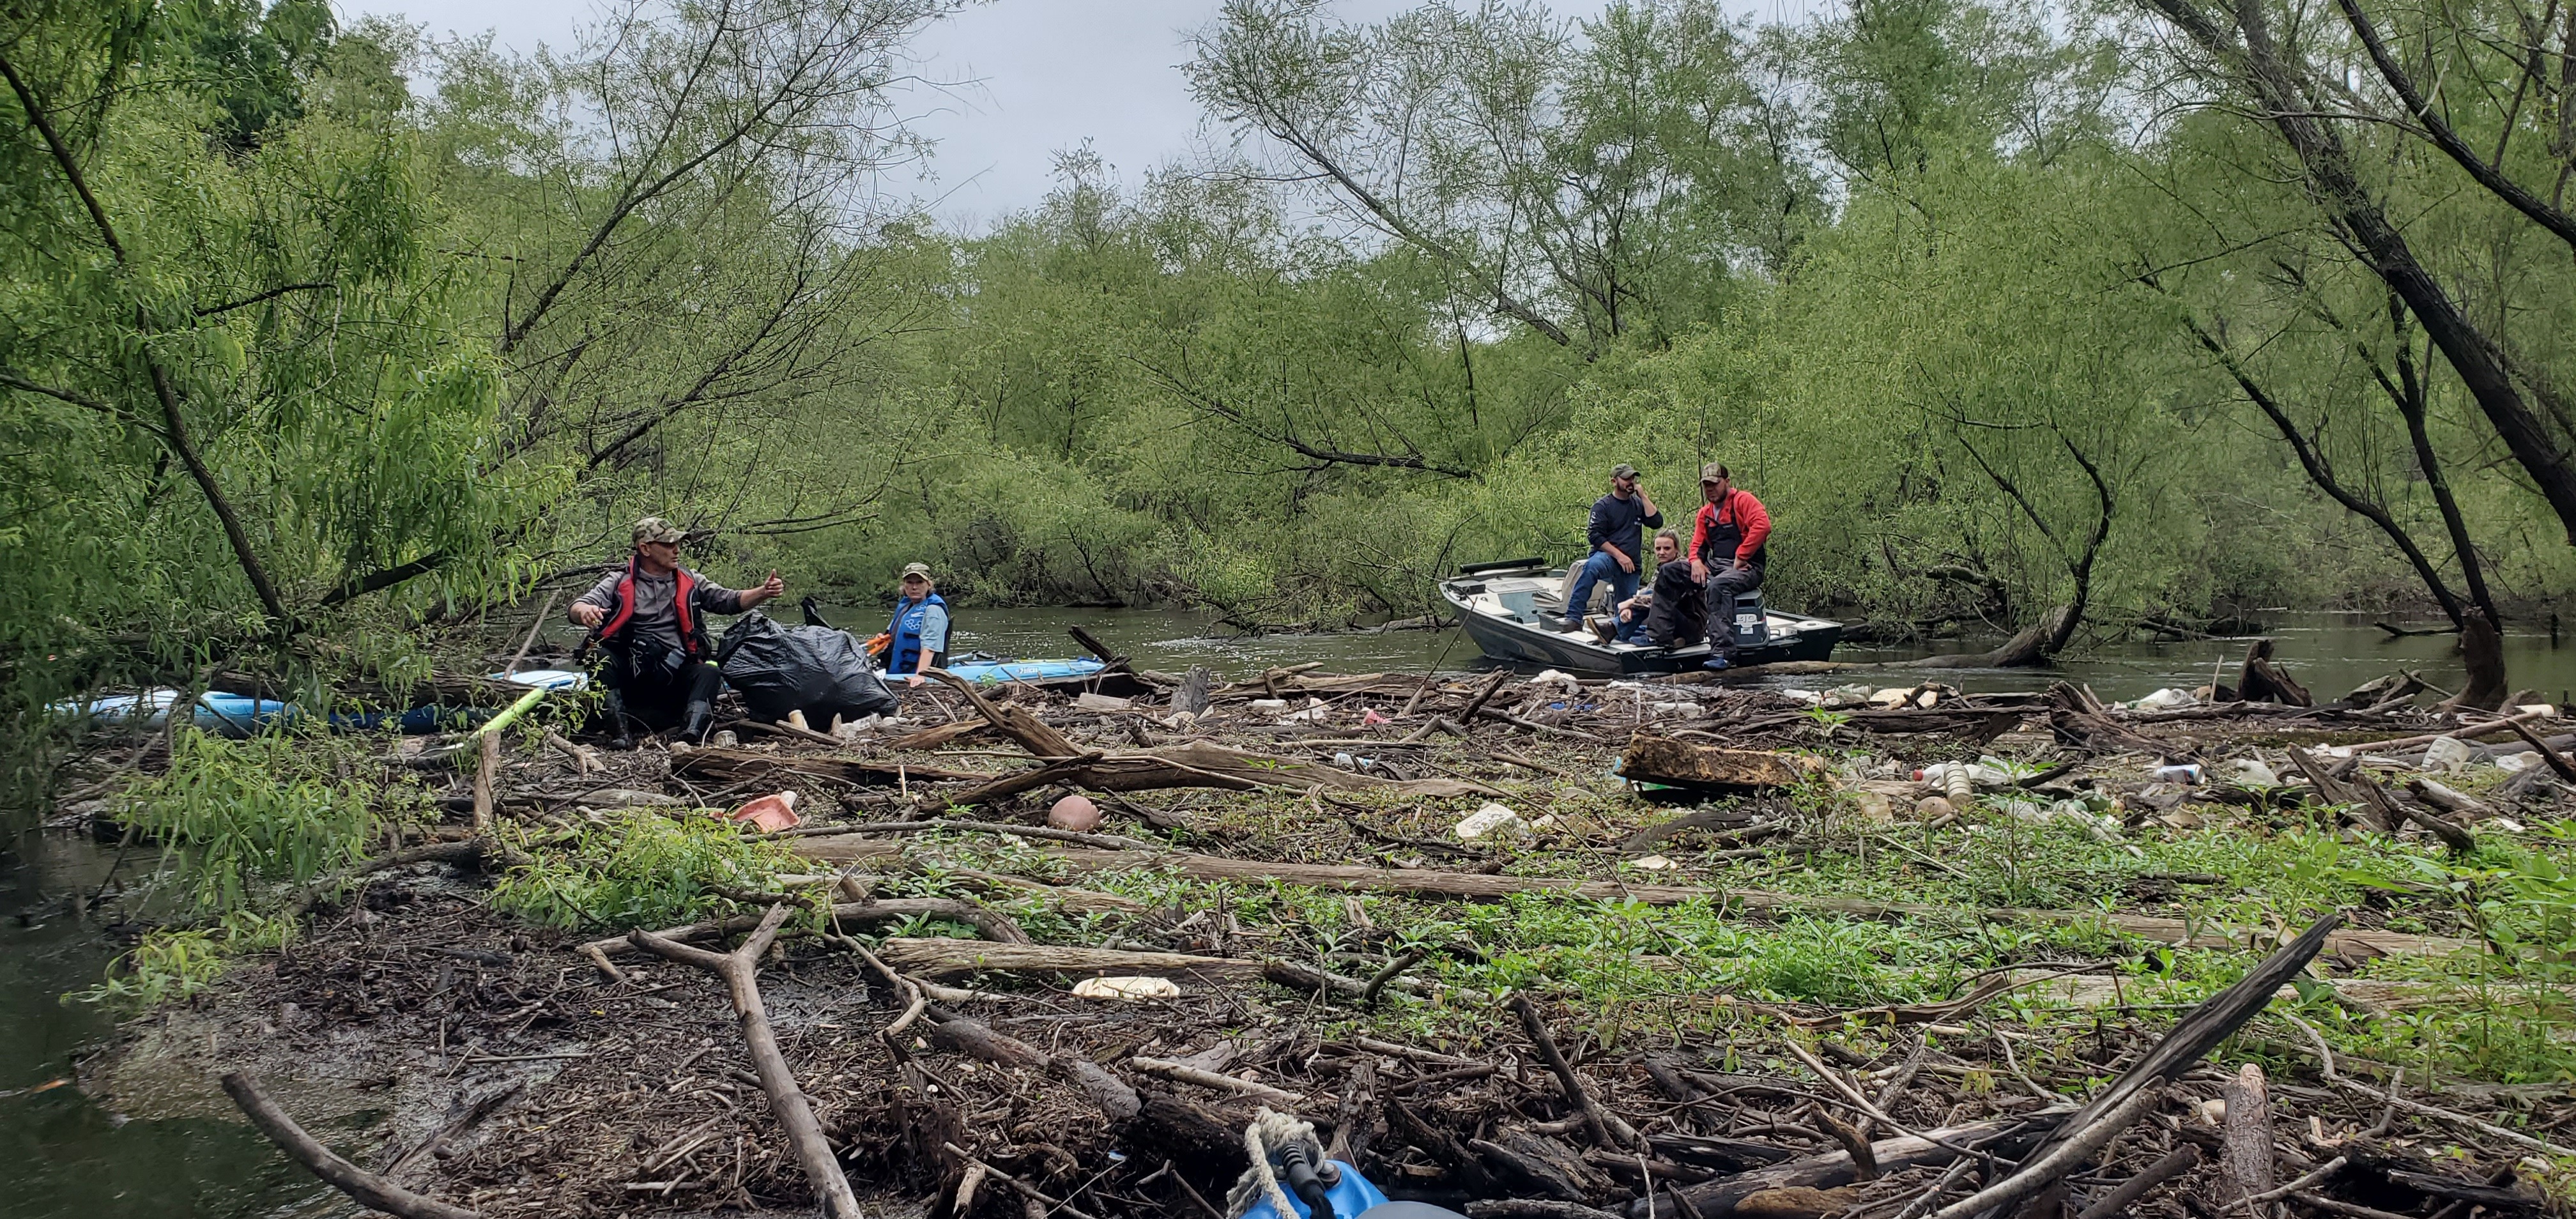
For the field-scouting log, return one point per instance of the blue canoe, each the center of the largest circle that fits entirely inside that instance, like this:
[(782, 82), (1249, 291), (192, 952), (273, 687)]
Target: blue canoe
[(996, 672), (240, 715)]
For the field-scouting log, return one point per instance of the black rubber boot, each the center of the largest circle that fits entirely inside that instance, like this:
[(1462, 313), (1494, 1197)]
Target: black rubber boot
[(693, 729), (614, 707)]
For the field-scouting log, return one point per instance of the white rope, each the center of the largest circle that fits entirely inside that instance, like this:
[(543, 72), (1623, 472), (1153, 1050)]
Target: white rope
[(1269, 1134)]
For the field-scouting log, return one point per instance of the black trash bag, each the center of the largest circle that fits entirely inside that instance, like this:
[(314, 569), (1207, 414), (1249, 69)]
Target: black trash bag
[(817, 670)]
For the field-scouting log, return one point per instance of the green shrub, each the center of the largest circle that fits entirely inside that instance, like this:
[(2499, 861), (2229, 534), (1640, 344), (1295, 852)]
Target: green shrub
[(174, 964), (235, 815), (640, 870)]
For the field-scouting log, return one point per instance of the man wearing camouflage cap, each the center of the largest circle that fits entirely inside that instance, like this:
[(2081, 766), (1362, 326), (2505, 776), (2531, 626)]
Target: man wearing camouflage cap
[(651, 618)]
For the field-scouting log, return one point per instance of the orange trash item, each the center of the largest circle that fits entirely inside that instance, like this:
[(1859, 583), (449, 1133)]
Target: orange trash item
[(772, 813)]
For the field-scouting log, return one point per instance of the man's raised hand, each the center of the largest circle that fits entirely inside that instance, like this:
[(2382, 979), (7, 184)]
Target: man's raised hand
[(588, 615)]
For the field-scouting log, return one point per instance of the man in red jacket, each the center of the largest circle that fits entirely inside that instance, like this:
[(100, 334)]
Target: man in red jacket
[(1729, 545)]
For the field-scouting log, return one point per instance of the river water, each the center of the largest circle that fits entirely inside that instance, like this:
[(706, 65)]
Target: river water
[(2330, 653), (64, 1156)]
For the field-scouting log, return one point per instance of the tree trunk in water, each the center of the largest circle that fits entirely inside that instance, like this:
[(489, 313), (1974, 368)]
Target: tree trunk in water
[(2262, 681), (2482, 651), (2030, 648)]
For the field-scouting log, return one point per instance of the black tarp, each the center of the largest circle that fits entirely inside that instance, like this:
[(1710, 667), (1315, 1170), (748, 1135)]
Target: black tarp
[(817, 670)]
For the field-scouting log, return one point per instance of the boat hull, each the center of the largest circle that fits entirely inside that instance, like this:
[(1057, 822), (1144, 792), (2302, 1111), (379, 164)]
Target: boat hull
[(1487, 611)]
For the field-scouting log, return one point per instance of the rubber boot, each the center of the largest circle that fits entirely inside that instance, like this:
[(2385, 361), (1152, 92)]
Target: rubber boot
[(614, 706), (693, 729)]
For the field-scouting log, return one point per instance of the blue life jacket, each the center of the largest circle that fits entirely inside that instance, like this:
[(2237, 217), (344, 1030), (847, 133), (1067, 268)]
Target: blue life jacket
[(905, 654)]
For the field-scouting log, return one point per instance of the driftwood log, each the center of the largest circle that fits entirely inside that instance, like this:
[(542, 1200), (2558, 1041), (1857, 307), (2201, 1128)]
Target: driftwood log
[(941, 958), (369, 1189), (1203, 764), (992, 923), (2066, 1139), (1478, 886), (1719, 1199), (740, 765), (2079, 721), (2482, 654), (2262, 680), (1661, 759), (2245, 1157)]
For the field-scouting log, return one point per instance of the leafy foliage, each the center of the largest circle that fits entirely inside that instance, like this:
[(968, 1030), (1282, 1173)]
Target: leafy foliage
[(640, 870), (234, 816)]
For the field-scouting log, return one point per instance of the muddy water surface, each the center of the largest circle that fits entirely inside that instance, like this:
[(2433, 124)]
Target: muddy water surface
[(2330, 653), (64, 1155)]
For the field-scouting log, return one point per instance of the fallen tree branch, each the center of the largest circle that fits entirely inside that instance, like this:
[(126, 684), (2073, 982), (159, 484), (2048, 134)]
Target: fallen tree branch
[(2325, 1060), (992, 923), (941, 958), (2066, 1157), (740, 971), (2182, 1160), (1106, 842), (2197, 1033), (1717, 1199), (1185, 1073), (1606, 1127), (369, 1189), (1478, 886)]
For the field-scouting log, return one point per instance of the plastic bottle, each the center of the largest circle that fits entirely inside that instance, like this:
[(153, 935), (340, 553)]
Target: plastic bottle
[(1956, 780)]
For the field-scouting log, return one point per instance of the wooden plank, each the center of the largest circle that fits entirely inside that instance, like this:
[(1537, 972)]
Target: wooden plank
[(944, 958), (737, 764)]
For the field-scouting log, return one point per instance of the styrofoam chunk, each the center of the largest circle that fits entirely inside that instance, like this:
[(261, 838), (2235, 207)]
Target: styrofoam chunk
[(1492, 821), (1128, 989)]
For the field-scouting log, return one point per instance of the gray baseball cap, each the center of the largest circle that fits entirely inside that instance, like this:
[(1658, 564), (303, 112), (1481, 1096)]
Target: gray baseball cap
[(1623, 470)]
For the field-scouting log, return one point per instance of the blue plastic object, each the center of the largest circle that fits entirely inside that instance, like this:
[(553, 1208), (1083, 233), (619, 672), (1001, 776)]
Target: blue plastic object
[(997, 672), (1349, 1196), (239, 715)]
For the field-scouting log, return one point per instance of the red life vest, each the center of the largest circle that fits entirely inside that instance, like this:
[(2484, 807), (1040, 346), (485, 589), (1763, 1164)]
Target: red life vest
[(682, 603)]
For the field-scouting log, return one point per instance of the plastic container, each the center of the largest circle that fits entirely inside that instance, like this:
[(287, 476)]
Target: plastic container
[(771, 813), (1351, 1194)]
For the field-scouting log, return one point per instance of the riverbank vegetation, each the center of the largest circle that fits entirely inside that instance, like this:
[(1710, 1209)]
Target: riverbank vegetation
[(324, 332)]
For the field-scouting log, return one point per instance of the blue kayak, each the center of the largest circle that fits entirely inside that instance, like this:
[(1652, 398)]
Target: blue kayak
[(240, 715), (995, 672)]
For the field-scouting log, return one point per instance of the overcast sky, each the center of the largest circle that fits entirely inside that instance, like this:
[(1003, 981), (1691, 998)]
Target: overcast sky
[(1047, 74)]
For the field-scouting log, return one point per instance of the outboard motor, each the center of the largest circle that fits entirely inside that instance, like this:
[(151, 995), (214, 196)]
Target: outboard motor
[(1752, 626)]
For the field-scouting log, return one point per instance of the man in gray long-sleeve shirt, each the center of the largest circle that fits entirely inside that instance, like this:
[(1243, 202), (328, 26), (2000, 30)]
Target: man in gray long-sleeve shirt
[(651, 616)]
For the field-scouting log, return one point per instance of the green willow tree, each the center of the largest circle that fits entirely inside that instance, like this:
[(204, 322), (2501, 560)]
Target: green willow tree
[(236, 389)]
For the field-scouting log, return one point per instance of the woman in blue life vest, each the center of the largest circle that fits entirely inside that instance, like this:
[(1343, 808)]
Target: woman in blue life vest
[(919, 633)]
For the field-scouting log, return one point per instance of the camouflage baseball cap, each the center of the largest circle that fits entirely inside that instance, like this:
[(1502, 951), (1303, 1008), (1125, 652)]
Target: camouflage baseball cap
[(916, 569), (1712, 472), (655, 529)]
